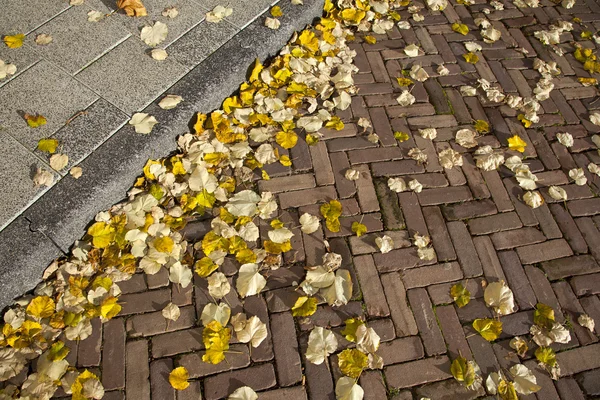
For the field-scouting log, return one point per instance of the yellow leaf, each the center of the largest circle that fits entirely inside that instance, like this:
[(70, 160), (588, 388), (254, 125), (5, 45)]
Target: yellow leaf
[(212, 242), (311, 139), (230, 103), (58, 351), (471, 58), (358, 228), (394, 15), (401, 136), (349, 331), (308, 40), (35, 121), (287, 140), (488, 328), (460, 28), (133, 8), (335, 123), (264, 175), (276, 224), (543, 316), (463, 371), (404, 81), (199, 124), (178, 378), (285, 161), (588, 81), (516, 143), (15, 41), (587, 35), (258, 67), (460, 295), (109, 308), (507, 391), (482, 126), (245, 256), (526, 123), (102, 234), (205, 266), (332, 211), (276, 11), (216, 341), (304, 306), (352, 15), (164, 244), (277, 248), (352, 362), (546, 356), (41, 307), (370, 39), (47, 145)]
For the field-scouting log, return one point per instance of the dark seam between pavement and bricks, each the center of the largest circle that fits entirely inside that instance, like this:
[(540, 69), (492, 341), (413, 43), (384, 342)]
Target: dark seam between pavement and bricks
[(48, 228)]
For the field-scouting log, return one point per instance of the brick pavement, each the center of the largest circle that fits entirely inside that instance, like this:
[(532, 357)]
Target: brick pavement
[(481, 231)]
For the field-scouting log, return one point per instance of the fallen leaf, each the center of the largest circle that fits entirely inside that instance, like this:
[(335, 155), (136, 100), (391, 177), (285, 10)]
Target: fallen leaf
[(463, 371), (35, 121), (304, 307), (7, 69), (473, 47), (566, 139), (215, 312), (95, 16), (460, 295), (516, 143), (310, 223), (252, 330), (155, 34), (557, 193), (460, 28), (76, 2), (524, 381), (412, 50), (133, 8), (76, 172), (272, 23), (276, 11), (321, 344), (159, 54), (488, 328), (402, 82), (405, 99), (249, 281), (449, 158), (171, 312), (170, 101), (466, 138), (533, 199), (47, 145), (59, 161), (415, 186), (370, 39), (358, 228), (578, 176), (346, 388), (520, 345), (384, 243), (43, 39), (595, 118), (499, 297), (14, 41), (142, 122), (43, 178), (218, 13), (243, 393), (352, 174), (401, 136), (170, 12), (397, 185), (471, 58), (352, 362), (428, 133), (586, 321), (178, 378)]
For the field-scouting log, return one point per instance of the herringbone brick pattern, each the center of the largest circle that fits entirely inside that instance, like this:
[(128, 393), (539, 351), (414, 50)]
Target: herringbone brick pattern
[(480, 227)]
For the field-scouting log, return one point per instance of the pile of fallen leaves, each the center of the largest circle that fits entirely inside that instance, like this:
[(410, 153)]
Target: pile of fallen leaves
[(214, 174)]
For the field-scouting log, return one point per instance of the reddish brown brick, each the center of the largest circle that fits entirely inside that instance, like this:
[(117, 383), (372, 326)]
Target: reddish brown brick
[(586, 284), (578, 360), (259, 377), (453, 332), (412, 213), (544, 251), (569, 266), (138, 370), (402, 316), (396, 168), (285, 346), (573, 309), (432, 274), (494, 223), (517, 280), (159, 379), (305, 197), (339, 163), (569, 228), (367, 198), (198, 368), (418, 372), (113, 355), (439, 234), (426, 321), (371, 286), (469, 209), (287, 183), (429, 197), (517, 237), (492, 268), (154, 300)]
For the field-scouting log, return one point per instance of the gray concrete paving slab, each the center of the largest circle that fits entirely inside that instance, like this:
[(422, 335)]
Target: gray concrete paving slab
[(20, 16), (77, 42), (23, 58), (129, 78), (16, 172), (43, 89)]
